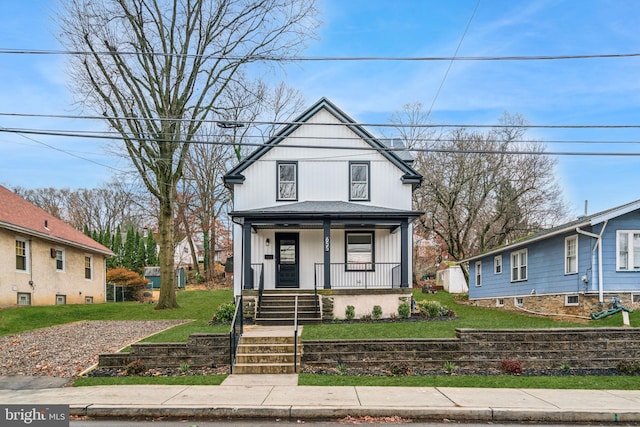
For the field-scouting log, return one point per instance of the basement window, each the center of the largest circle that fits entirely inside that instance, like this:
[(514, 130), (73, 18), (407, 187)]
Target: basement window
[(635, 298), (88, 300), (61, 299), (571, 300), (24, 298), (518, 302), (500, 302)]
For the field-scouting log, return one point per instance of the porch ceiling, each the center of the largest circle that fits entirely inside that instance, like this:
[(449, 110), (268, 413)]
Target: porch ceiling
[(311, 214)]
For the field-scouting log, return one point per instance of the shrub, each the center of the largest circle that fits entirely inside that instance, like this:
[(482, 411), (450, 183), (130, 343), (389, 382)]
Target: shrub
[(511, 366), (433, 309), (350, 312), (399, 369), (404, 310), (629, 367), (449, 367), (376, 314), (224, 313), (134, 368)]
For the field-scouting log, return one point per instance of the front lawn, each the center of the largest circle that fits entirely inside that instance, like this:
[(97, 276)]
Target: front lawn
[(466, 317), (194, 305)]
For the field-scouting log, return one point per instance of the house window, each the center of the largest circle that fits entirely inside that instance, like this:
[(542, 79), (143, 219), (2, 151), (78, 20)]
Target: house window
[(21, 255), (59, 260), (88, 300), (500, 302), (518, 302), (635, 298), (571, 300), (519, 266), (478, 273), (24, 298), (88, 267), (61, 299), (628, 254), (497, 264), (360, 254), (359, 181), (287, 180), (571, 255)]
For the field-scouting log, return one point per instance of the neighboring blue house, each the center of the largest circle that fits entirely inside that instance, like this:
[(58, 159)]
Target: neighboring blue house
[(575, 268)]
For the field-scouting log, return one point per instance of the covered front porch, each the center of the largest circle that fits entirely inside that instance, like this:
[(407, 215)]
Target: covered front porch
[(324, 245)]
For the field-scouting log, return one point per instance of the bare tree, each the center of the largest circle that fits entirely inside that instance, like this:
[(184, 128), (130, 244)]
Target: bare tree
[(156, 68), (479, 191)]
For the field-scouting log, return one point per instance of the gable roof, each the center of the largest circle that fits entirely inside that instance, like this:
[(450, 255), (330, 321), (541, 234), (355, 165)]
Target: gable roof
[(18, 215), (581, 221), (398, 158)]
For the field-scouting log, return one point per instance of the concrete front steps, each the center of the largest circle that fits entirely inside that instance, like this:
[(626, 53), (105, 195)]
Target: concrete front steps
[(267, 350), (278, 308)]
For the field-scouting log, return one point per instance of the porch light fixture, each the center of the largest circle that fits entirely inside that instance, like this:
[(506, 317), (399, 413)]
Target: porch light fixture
[(267, 242)]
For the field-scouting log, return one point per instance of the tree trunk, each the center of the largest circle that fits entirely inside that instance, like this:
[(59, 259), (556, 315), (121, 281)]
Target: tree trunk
[(167, 297)]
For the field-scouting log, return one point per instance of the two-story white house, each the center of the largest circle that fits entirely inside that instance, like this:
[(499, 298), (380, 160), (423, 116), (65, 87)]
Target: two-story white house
[(325, 207)]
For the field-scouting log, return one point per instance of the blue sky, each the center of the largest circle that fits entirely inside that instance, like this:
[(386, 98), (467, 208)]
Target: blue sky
[(563, 92)]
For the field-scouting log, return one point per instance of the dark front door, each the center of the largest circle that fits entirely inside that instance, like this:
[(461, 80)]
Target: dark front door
[(287, 270)]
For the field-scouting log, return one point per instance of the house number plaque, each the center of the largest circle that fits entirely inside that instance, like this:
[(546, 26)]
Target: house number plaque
[(326, 244)]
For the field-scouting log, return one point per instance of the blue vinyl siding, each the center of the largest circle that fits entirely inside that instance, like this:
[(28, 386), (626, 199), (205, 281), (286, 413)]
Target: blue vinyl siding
[(618, 280), (545, 265)]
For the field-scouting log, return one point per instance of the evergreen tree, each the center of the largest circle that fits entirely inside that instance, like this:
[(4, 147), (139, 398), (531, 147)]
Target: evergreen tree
[(152, 251), (117, 247), (129, 255), (141, 256)]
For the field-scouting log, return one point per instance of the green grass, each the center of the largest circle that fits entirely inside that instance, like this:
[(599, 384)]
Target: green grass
[(467, 317), (497, 381), (137, 380), (198, 306)]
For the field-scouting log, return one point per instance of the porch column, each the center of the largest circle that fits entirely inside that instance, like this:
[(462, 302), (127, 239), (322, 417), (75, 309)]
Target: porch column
[(327, 253), (404, 253), (247, 275)]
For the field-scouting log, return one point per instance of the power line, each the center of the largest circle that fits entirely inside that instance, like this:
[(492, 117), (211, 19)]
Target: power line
[(337, 147), (16, 51), (361, 124), (455, 54)]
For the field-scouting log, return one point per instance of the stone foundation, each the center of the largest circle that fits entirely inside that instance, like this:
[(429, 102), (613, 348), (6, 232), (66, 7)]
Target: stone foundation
[(556, 304)]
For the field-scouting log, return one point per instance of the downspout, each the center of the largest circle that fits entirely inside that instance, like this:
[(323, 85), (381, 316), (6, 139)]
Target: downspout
[(598, 246)]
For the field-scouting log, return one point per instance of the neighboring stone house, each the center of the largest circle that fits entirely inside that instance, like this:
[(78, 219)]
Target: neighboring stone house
[(576, 268), (45, 261), (325, 207)]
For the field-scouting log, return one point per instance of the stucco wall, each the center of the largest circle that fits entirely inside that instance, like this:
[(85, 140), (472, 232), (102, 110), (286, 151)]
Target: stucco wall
[(41, 279)]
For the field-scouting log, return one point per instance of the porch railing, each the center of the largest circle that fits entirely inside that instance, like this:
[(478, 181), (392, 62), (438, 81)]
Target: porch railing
[(379, 275), (235, 333), (257, 276)]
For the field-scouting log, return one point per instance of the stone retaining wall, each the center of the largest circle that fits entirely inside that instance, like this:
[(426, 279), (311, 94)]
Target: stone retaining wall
[(587, 348), (201, 350)]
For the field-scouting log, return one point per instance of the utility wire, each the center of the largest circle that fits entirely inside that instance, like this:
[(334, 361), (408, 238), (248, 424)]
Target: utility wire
[(10, 51), (455, 54), (240, 123), (338, 147)]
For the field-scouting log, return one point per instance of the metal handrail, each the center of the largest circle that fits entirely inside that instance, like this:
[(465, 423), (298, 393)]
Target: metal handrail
[(260, 290), (295, 336), (380, 275), (235, 333)]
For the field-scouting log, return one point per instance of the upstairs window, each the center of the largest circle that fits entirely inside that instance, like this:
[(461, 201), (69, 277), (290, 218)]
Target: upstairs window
[(359, 181), (88, 267), (519, 265), (59, 260), (287, 180), (571, 255), (21, 255), (628, 253)]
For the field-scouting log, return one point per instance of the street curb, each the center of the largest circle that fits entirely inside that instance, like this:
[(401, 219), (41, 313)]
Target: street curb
[(325, 412)]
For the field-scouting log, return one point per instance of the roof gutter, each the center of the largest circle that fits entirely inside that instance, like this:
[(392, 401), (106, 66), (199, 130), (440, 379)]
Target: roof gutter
[(597, 246)]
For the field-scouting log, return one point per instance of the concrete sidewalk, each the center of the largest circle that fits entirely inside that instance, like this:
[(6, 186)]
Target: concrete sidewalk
[(278, 397)]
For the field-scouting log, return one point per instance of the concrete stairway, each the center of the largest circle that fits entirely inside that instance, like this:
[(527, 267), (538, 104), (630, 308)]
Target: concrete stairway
[(267, 350), (278, 308)]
